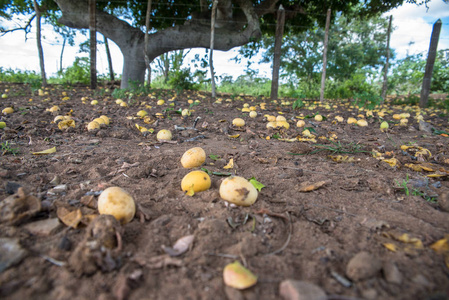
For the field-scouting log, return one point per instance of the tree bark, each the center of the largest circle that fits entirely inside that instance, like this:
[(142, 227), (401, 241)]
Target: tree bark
[(39, 42), (93, 44), (211, 60), (427, 80), (108, 54), (147, 31), (326, 39), (277, 52), (131, 41), (385, 83), (62, 54)]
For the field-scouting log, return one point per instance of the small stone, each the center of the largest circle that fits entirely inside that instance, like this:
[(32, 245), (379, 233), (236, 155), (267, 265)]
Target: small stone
[(65, 244), (12, 187), (443, 201), (369, 294), (43, 227), (362, 266), (300, 290), (392, 273), (424, 126), (55, 181), (11, 253), (422, 281), (4, 173), (233, 294)]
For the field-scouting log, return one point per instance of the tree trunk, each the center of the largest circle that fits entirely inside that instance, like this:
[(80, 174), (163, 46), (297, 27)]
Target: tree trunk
[(93, 44), (131, 40), (385, 83), (211, 60), (147, 30), (427, 80), (108, 54), (39, 43), (62, 54), (326, 39), (277, 52)]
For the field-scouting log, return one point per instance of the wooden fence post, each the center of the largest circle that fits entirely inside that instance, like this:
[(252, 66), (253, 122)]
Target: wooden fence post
[(385, 83), (425, 90), (93, 44), (277, 52), (326, 39), (211, 61)]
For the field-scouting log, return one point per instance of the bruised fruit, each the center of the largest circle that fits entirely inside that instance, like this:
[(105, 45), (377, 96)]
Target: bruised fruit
[(117, 202), (93, 125), (193, 157), (164, 135), (195, 181), (237, 276), (238, 190)]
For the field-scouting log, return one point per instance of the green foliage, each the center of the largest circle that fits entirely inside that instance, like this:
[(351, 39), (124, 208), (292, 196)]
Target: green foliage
[(18, 76), (181, 80), (79, 72), (6, 149), (367, 100)]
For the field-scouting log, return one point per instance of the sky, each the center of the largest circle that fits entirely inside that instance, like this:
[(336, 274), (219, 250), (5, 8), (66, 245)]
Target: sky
[(412, 30)]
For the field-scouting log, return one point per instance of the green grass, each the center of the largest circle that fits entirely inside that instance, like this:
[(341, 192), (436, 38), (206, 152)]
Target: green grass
[(6, 149)]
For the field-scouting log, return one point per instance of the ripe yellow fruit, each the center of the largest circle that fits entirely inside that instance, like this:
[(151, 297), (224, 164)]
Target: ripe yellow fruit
[(237, 276), (362, 123), (318, 118), (118, 101), (300, 123), (99, 121), (160, 102), (94, 102), (384, 126), (280, 118), (117, 202), (339, 118), (193, 157), (252, 114), (164, 135), (2, 125), (7, 110), (92, 126), (105, 119), (58, 118), (186, 112), (352, 120), (403, 122), (283, 124), (238, 122), (141, 113), (196, 181), (245, 109), (238, 190)]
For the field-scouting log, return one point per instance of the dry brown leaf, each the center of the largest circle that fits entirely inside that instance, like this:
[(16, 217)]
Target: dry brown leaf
[(162, 261), (180, 246), (69, 218), (308, 187), (441, 246)]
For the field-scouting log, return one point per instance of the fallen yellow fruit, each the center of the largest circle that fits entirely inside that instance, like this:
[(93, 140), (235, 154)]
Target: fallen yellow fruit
[(7, 110), (351, 121), (193, 157), (92, 126), (117, 202), (252, 114), (2, 125), (141, 113), (300, 123), (239, 122), (105, 119), (164, 135), (237, 276), (238, 190), (195, 181), (362, 123), (318, 118)]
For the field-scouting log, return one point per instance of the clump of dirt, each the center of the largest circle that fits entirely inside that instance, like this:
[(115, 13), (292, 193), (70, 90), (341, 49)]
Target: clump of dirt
[(353, 210)]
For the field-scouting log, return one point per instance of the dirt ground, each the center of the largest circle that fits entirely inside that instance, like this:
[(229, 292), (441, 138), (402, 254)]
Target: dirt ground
[(347, 210)]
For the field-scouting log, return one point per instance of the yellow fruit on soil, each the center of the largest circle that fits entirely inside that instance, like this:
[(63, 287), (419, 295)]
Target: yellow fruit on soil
[(397, 116), (300, 123), (4, 96), (362, 123), (245, 109), (99, 121), (195, 181), (123, 104), (384, 125), (238, 190), (164, 135), (142, 113), (94, 102), (237, 276), (280, 118), (160, 102), (92, 126), (117, 202), (2, 125), (185, 112), (403, 122), (283, 124), (193, 157), (252, 114), (58, 118), (118, 101), (7, 110), (339, 118), (270, 118), (238, 122), (105, 119), (318, 118), (352, 120)]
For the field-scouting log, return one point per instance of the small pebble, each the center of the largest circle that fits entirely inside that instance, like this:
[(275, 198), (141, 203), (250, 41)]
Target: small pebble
[(300, 290), (392, 273), (363, 266), (12, 187), (11, 253)]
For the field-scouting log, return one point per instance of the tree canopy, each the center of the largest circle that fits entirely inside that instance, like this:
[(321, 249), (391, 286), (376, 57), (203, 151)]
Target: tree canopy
[(182, 24)]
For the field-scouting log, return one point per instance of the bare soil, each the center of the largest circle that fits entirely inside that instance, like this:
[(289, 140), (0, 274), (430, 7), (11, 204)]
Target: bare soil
[(357, 203)]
